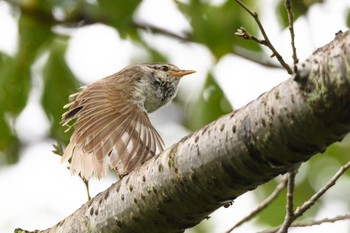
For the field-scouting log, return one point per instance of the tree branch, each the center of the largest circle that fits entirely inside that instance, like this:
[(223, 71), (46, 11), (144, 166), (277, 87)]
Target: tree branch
[(270, 136), (321, 221), (266, 41), (279, 188), (288, 6), (307, 205), (81, 17), (310, 202), (290, 202)]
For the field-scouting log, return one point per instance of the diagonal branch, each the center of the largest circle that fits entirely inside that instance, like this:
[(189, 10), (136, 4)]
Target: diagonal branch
[(270, 136), (307, 205), (279, 188), (80, 18), (266, 41)]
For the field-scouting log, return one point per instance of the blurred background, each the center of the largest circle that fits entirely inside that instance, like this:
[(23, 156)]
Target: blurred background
[(50, 48)]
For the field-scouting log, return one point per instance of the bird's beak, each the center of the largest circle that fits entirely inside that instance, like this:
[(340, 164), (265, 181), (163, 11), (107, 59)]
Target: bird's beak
[(180, 73)]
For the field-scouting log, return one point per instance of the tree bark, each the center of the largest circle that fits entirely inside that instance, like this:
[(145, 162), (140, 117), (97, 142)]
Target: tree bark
[(236, 153)]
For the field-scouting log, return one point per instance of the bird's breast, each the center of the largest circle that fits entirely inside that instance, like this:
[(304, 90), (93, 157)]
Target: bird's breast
[(157, 96)]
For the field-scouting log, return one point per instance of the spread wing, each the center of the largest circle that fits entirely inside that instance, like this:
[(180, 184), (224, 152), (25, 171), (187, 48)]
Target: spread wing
[(109, 130)]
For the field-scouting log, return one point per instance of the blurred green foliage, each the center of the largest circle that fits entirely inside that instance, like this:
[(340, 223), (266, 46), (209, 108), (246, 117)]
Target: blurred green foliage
[(210, 105), (348, 18), (275, 213), (59, 83), (212, 26), (299, 8)]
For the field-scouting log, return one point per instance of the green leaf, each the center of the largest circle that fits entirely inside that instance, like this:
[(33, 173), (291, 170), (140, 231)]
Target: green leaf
[(14, 89), (119, 14), (34, 35), (4, 58), (59, 83), (215, 26), (348, 18), (15, 79), (154, 54), (9, 144), (211, 104)]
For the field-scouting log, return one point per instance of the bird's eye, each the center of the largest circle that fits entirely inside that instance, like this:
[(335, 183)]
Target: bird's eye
[(164, 68)]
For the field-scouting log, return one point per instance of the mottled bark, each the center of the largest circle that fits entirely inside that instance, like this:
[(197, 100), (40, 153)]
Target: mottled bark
[(230, 156)]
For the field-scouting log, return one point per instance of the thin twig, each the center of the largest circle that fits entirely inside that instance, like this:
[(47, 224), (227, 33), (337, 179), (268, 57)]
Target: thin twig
[(82, 18), (242, 32), (321, 221), (289, 218), (288, 6), (301, 210), (256, 57), (312, 223), (266, 40), (262, 205), (307, 204)]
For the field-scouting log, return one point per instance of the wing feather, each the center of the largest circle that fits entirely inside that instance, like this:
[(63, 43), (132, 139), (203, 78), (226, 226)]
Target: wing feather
[(110, 138), (109, 130)]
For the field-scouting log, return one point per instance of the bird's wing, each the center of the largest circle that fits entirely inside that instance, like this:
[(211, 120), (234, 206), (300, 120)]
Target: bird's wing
[(109, 129)]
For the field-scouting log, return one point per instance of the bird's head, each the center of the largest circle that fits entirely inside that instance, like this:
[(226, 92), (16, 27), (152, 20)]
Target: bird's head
[(159, 83)]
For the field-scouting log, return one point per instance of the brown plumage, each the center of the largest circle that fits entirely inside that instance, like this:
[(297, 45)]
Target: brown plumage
[(112, 127)]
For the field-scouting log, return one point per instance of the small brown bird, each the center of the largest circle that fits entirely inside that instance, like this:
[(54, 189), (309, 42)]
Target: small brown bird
[(112, 127)]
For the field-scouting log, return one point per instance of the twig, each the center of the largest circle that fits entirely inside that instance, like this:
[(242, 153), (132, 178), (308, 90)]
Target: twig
[(312, 223), (259, 58), (288, 6), (242, 32), (289, 218), (319, 222), (301, 210), (266, 41), (82, 18), (262, 205), (307, 204)]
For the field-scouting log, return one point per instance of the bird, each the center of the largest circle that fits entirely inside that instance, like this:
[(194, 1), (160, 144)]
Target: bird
[(110, 119)]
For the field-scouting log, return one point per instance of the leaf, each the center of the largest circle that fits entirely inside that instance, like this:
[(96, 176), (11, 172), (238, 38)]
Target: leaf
[(215, 26), (119, 14), (34, 35), (9, 144), (14, 88), (348, 18), (15, 80), (154, 54), (59, 83), (15, 77), (211, 104)]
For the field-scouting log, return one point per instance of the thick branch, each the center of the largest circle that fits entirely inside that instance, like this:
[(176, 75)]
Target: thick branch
[(230, 156)]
